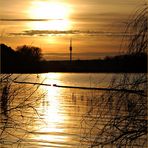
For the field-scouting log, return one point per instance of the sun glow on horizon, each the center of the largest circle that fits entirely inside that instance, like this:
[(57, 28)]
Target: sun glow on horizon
[(50, 25)]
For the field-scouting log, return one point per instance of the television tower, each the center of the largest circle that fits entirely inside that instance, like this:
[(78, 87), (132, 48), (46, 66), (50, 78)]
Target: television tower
[(70, 48)]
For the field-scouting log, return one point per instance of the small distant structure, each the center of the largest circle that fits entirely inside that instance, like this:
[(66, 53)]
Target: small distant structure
[(70, 48)]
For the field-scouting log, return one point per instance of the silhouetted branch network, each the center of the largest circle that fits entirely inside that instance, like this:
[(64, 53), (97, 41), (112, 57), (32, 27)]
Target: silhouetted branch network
[(16, 104), (119, 119)]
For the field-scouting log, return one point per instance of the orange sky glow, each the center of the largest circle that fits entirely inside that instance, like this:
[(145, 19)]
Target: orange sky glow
[(95, 26)]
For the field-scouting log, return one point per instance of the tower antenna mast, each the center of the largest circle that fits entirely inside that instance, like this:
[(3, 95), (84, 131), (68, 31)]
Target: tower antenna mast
[(70, 48)]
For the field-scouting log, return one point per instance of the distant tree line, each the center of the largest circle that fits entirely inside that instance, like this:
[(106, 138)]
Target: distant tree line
[(125, 63), (25, 58), (28, 59)]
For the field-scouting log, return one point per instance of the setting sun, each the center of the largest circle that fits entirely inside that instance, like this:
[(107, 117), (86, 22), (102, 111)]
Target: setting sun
[(49, 10), (56, 15)]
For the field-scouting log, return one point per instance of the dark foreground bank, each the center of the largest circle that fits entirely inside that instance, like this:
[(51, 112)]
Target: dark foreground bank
[(118, 64)]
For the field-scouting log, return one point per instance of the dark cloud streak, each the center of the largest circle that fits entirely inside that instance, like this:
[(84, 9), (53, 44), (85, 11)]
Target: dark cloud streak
[(28, 20), (68, 32)]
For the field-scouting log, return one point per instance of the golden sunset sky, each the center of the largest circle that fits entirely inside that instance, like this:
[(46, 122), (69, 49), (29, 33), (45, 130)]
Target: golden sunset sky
[(95, 26)]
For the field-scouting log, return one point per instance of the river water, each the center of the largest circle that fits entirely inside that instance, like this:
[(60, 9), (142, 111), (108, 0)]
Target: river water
[(47, 116)]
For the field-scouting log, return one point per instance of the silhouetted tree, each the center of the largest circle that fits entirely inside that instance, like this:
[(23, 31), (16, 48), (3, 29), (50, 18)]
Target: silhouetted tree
[(8, 58), (29, 54)]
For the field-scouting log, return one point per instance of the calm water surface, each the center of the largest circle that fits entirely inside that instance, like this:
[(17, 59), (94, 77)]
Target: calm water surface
[(47, 116)]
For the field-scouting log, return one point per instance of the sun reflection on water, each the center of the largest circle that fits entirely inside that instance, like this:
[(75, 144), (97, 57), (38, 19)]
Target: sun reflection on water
[(51, 107), (50, 127)]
